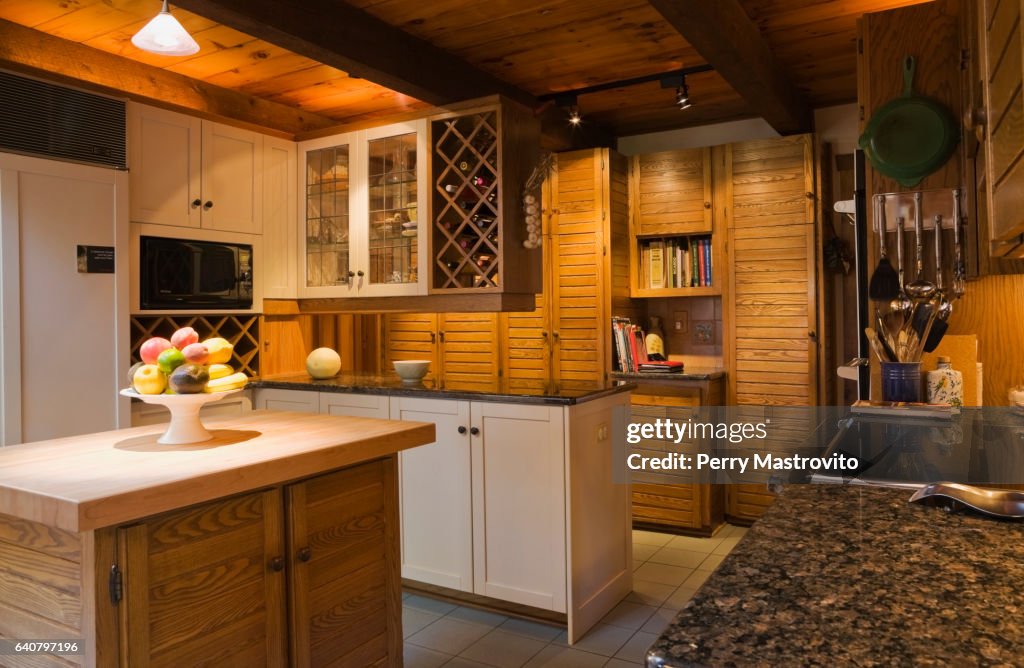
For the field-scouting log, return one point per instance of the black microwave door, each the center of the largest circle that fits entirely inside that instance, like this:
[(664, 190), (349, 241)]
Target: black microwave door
[(168, 274), (216, 272)]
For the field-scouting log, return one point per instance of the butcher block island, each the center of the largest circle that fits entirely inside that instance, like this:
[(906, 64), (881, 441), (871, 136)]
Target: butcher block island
[(275, 543)]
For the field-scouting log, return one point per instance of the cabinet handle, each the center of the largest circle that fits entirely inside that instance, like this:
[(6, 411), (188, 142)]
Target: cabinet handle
[(555, 335), (809, 195), (351, 273), (433, 337), (707, 205), (277, 564), (475, 431), (812, 335), (441, 335), (196, 203), (208, 205), (305, 554), (462, 430), (359, 273)]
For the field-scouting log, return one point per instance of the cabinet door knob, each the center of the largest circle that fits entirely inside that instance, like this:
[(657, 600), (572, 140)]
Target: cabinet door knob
[(208, 205), (475, 431), (277, 564), (196, 203), (462, 430), (351, 273), (359, 273), (304, 554), (433, 337), (707, 205), (812, 335)]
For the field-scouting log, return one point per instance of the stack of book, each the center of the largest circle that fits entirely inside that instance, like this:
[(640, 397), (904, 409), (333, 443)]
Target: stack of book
[(630, 353), (675, 262)]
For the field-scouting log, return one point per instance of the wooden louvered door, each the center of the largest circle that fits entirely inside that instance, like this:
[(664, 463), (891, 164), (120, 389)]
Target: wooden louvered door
[(469, 350), (580, 268), (410, 336), (770, 310)]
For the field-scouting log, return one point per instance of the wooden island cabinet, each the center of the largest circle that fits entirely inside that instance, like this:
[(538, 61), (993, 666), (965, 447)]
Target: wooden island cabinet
[(250, 549)]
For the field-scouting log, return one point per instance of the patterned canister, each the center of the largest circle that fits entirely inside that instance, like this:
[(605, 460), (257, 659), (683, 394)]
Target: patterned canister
[(945, 385)]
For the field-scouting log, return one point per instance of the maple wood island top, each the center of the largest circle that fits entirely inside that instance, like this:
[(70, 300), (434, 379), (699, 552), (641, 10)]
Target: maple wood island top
[(97, 480)]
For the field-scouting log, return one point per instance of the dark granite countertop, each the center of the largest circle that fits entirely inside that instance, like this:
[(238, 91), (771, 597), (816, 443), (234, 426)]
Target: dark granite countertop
[(497, 391), (845, 575), (688, 373)]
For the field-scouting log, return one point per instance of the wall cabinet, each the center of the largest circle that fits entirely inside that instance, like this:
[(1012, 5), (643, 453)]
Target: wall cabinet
[(189, 172), (360, 214), (254, 579), (279, 263), (675, 248), (481, 158)]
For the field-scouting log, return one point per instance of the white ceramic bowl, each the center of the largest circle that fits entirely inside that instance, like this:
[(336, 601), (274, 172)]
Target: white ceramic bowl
[(411, 371)]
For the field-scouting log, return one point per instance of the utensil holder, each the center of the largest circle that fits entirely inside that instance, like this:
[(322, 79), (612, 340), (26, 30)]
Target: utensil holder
[(901, 381)]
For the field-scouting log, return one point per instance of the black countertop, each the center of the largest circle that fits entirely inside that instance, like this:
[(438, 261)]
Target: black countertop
[(848, 575), (498, 391)]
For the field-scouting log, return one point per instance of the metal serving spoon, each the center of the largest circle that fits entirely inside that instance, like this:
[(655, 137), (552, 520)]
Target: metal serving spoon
[(919, 290)]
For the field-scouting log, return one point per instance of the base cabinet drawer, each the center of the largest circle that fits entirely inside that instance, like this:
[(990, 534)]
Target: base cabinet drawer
[(302, 401)]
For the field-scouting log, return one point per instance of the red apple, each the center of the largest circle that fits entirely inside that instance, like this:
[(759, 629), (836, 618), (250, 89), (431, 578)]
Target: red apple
[(152, 348), (184, 337), (196, 353)]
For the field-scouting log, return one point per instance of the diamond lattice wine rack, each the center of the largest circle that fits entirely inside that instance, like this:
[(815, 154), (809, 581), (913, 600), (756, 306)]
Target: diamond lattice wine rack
[(480, 159)]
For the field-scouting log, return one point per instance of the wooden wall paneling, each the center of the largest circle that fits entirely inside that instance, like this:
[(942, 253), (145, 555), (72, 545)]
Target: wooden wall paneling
[(287, 340), (42, 589), (619, 244)]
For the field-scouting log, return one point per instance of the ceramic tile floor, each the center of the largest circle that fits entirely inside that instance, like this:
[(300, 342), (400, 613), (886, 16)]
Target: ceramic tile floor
[(667, 571)]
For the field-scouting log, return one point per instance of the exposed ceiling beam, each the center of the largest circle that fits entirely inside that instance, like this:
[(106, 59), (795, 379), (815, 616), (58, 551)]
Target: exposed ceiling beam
[(37, 53), (337, 34), (726, 38)]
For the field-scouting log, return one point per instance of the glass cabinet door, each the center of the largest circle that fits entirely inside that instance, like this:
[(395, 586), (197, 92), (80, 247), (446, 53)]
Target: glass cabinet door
[(393, 211), (327, 226)]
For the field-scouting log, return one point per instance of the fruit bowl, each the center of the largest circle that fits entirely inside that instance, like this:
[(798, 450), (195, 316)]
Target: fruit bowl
[(185, 426)]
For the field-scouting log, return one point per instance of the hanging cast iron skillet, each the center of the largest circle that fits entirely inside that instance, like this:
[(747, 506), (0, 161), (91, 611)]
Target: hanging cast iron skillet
[(910, 136)]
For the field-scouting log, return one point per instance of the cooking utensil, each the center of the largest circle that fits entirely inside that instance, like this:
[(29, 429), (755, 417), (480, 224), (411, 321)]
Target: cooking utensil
[(885, 337), (875, 341), (885, 283), (900, 306), (919, 290), (939, 325), (910, 136), (959, 271)]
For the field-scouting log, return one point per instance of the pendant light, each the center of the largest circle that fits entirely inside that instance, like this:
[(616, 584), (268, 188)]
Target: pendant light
[(165, 36)]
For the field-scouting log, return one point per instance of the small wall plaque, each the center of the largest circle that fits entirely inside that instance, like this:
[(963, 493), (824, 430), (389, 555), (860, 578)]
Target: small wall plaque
[(95, 259)]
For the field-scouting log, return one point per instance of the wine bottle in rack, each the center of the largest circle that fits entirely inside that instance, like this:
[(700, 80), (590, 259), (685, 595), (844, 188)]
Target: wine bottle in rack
[(450, 189), (482, 220), (480, 181)]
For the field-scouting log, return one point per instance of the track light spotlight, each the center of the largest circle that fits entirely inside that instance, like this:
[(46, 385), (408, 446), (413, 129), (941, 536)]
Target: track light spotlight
[(574, 115), (683, 96)]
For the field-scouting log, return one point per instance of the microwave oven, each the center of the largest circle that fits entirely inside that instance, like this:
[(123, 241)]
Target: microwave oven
[(182, 274)]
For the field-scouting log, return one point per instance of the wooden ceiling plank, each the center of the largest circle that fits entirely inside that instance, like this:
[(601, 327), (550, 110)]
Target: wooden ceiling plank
[(356, 42), (726, 37), (36, 12), (39, 54)]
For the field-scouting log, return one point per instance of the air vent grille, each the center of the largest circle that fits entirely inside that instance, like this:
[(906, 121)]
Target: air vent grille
[(43, 119)]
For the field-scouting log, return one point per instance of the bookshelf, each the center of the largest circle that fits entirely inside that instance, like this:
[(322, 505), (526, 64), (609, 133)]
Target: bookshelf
[(676, 266)]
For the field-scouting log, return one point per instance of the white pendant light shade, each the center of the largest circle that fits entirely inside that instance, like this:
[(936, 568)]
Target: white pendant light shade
[(165, 36)]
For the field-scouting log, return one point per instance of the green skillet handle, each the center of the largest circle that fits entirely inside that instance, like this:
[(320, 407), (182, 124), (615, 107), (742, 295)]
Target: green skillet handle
[(909, 67)]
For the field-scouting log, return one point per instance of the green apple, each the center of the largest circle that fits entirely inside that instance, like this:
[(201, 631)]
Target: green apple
[(169, 360), (148, 379)]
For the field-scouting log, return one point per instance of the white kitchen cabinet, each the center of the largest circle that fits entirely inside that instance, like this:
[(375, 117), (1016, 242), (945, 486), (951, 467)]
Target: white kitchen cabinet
[(519, 528), (435, 495), (301, 401), (359, 216), (188, 172), (278, 264), (144, 414), (355, 405)]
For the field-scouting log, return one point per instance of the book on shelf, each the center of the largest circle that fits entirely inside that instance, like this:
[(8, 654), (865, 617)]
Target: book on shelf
[(707, 260), (656, 269)]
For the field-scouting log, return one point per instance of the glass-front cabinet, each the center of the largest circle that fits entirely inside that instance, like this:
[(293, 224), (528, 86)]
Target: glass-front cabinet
[(359, 212)]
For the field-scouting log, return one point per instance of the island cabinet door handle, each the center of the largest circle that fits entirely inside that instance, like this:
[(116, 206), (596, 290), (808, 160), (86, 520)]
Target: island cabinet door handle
[(304, 554), (277, 564), (475, 431), (208, 205), (196, 203), (462, 429)]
